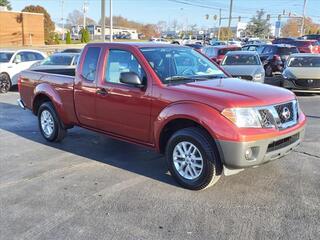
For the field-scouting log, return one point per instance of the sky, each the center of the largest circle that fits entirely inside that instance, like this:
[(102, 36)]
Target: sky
[(152, 11)]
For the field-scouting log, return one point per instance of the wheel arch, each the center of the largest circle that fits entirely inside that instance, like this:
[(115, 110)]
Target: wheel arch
[(181, 115), (45, 92)]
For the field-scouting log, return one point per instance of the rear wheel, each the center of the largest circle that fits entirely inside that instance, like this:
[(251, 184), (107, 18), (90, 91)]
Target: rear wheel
[(50, 125), (5, 83), (193, 159)]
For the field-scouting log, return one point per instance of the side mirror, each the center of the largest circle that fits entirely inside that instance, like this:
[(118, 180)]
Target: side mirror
[(131, 78)]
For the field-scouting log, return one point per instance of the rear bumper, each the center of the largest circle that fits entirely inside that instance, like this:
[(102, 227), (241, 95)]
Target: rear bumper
[(234, 153), (290, 84)]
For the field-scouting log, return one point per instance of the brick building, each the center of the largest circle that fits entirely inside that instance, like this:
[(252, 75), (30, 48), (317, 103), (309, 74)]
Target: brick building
[(21, 28)]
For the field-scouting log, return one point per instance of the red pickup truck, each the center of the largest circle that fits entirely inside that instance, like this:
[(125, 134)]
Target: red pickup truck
[(170, 98)]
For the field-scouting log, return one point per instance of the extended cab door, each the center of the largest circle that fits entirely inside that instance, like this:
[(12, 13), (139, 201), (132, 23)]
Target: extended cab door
[(85, 86), (123, 109)]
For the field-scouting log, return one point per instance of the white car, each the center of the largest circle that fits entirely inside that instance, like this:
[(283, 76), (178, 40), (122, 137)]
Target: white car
[(159, 40), (13, 62)]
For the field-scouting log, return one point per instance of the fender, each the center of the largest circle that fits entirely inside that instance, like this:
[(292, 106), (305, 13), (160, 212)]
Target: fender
[(209, 118), (47, 90)]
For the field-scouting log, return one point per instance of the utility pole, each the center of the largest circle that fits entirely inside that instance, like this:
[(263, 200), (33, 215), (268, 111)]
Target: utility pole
[(103, 19), (62, 19), (111, 22), (219, 24), (230, 13), (303, 17), (85, 10)]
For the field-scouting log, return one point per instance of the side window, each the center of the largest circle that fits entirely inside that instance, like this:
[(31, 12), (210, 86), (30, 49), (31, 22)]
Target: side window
[(122, 61), (30, 56), (267, 50), (38, 56), (89, 67)]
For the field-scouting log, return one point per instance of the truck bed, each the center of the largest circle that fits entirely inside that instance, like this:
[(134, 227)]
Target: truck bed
[(33, 83)]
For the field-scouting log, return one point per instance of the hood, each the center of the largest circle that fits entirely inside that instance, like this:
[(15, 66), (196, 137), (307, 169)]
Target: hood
[(305, 73), (249, 70), (232, 92)]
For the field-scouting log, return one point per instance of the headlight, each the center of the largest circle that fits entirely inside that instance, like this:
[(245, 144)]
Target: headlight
[(257, 76), (243, 117), (288, 75)]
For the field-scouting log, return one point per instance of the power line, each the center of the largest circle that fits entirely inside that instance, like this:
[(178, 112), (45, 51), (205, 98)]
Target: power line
[(193, 4)]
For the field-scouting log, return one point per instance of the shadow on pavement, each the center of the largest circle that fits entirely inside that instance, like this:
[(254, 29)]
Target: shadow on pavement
[(93, 146)]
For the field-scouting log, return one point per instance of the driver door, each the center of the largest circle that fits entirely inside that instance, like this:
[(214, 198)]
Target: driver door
[(123, 109)]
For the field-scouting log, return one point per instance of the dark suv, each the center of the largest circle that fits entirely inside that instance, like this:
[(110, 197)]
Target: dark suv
[(275, 56), (312, 37)]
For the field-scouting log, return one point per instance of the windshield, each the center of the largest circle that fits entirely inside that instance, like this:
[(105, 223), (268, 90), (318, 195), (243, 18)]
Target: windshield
[(58, 60), (304, 62), (5, 56), (177, 63), (241, 59)]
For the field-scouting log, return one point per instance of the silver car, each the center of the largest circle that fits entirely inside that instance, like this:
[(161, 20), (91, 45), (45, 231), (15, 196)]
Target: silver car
[(302, 73), (245, 65)]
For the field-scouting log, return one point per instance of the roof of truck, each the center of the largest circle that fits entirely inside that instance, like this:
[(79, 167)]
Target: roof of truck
[(138, 44)]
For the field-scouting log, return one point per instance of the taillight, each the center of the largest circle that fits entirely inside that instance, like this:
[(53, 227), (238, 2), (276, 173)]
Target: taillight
[(19, 83), (276, 58)]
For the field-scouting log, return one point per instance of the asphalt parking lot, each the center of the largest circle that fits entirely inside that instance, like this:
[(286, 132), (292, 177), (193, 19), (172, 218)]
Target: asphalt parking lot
[(92, 187)]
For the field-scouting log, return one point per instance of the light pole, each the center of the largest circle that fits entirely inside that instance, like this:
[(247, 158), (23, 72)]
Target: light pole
[(303, 17), (103, 20), (230, 13), (111, 22), (85, 10)]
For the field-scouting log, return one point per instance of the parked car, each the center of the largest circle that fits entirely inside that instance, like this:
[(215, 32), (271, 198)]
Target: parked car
[(284, 40), (72, 50), (312, 37), (217, 43), (275, 56), (197, 47), (159, 40), (252, 47), (302, 73), (217, 53), (13, 62), (244, 65), (58, 63), (172, 99), (307, 46)]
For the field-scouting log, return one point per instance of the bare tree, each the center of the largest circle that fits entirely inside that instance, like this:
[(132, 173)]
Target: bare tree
[(76, 18)]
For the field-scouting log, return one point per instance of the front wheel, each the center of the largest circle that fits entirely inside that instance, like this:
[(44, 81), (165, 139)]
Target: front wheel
[(5, 83), (50, 125), (193, 159)]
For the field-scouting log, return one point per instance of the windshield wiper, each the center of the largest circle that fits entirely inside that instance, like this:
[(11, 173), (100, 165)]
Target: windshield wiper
[(194, 78)]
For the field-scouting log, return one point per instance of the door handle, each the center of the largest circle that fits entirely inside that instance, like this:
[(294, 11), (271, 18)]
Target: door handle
[(102, 91)]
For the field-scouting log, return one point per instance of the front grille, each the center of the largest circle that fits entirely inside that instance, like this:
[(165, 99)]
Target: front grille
[(285, 112), (309, 83), (245, 77), (280, 116), (266, 118), (282, 143)]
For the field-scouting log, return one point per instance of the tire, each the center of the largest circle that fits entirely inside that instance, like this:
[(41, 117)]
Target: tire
[(206, 149), (269, 71), (50, 126), (5, 83)]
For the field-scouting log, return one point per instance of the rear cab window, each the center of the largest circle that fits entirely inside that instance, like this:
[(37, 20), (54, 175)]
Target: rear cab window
[(90, 64)]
